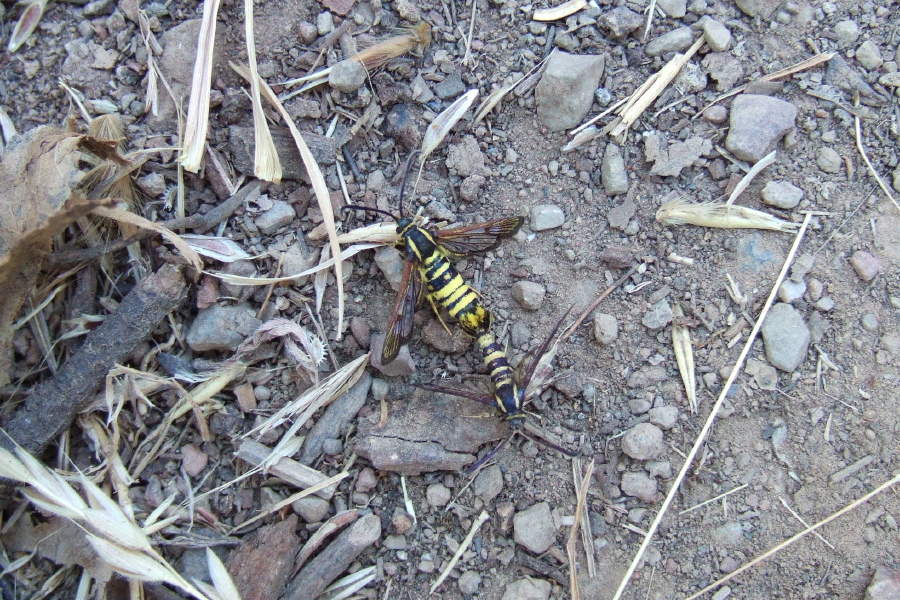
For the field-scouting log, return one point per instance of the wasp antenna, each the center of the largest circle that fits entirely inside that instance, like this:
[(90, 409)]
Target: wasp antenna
[(547, 443), (490, 455), (367, 209), (409, 162)]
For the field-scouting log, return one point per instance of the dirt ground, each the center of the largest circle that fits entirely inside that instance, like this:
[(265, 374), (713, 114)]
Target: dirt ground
[(782, 447)]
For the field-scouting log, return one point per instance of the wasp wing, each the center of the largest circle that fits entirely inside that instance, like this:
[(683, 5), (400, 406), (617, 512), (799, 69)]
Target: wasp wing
[(461, 392), (539, 356), (400, 327), (480, 237)]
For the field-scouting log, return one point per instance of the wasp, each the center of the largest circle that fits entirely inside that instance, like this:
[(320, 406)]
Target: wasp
[(428, 252), (512, 389)]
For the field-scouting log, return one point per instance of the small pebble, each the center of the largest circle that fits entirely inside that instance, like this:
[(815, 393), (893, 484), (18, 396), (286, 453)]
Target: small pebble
[(546, 216), (865, 265), (366, 481), (528, 294), (533, 528), (437, 494), (606, 328), (469, 582), (640, 486), (643, 442), (869, 322), (829, 160)]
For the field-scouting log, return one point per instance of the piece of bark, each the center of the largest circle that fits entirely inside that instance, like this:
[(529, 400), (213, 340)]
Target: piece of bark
[(242, 143), (287, 469), (261, 565), (54, 403), (329, 528), (427, 432), (338, 413), (334, 559)]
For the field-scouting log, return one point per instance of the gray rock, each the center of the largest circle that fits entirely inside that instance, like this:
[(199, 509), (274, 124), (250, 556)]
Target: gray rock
[(221, 328), (671, 159), (757, 124), (869, 322), (885, 584), (762, 8), (367, 479), (782, 194), (718, 36), (724, 67), (865, 265), (692, 78), (401, 366), (661, 469), (311, 509), (395, 542), (729, 535), (469, 582), (470, 188), (674, 8), (829, 160), (676, 40), (664, 417), (99, 7), (280, 215), (841, 74), (465, 156), (890, 79), (437, 494), (546, 216), (846, 32), (88, 66), (646, 376), (621, 21), (716, 114), (451, 87), (527, 588), (533, 528), (242, 142), (803, 264), (376, 181), (391, 262), (816, 288), (619, 216), (324, 23), (241, 268), (606, 328), (361, 331), (347, 76), (488, 484), (786, 337), (612, 171), (638, 406), (307, 32), (332, 446), (380, 389), (791, 291), (891, 343), (659, 315), (643, 442), (869, 55), (566, 90), (640, 486), (152, 184), (298, 258), (528, 294), (766, 377)]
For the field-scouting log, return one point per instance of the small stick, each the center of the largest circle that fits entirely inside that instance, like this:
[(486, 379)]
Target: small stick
[(862, 151), (571, 328), (715, 410), (711, 500), (802, 522), (796, 537), (573, 533), (462, 548), (287, 469)]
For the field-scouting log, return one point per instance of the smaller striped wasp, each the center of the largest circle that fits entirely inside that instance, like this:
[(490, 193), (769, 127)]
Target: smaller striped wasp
[(428, 251), (512, 390)]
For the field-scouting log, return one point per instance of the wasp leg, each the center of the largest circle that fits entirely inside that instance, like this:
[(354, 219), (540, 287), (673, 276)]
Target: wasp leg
[(437, 312)]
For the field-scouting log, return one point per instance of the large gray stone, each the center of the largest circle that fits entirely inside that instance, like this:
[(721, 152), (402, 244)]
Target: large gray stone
[(566, 90), (786, 337), (757, 125)]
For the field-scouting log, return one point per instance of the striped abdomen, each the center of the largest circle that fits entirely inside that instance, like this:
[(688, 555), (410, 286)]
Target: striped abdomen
[(506, 393), (446, 286)]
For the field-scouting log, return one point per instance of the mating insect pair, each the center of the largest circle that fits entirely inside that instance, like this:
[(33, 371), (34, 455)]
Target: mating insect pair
[(428, 252)]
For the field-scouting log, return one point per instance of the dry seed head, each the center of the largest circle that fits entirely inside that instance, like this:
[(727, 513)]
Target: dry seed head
[(417, 38)]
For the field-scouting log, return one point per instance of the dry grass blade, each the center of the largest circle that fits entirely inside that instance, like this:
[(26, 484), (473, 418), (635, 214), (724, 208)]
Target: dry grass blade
[(26, 24), (198, 108), (872, 171), (220, 577), (439, 128), (266, 165), (494, 98), (123, 216), (378, 233), (684, 356), (7, 130), (349, 585), (308, 359), (331, 481), (572, 542), (853, 505), (459, 551), (751, 175), (407, 502), (645, 95), (559, 12), (318, 183), (701, 437), (217, 248), (722, 216)]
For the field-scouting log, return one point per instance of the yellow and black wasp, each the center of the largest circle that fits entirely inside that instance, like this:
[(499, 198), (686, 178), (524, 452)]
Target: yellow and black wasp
[(428, 252), (512, 389)]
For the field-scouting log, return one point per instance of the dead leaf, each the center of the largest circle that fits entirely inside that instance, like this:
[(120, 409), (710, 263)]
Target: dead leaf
[(39, 172)]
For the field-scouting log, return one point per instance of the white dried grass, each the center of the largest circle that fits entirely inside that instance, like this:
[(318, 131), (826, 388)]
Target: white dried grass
[(266, 165), (308, 355), (438, 129), (459, 551), (124, 216), (582, 485), (559, 12), (684, 356), (349, 585), (27, 23), (198, 107), (217, 248), (722, 216)]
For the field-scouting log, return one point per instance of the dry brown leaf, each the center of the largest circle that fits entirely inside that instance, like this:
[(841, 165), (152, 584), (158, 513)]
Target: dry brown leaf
[(38, 176)]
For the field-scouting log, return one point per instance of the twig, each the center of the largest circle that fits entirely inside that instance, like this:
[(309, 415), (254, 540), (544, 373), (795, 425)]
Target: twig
[(468, 55), (715, 410), (571, 328), (573, 533), (199, 223), (802, 522), (796, 537), (862, 151), (720, 496)]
